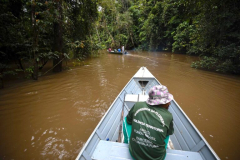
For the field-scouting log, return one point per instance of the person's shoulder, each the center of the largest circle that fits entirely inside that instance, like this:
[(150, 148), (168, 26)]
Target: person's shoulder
[(165, 111), (169, 114), (140, 104)]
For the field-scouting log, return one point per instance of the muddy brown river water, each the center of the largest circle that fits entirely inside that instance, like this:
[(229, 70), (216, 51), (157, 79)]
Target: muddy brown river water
[(53, 117)]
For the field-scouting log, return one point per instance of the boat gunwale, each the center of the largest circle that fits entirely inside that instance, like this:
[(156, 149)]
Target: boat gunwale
[(195, 128), (185, 115)]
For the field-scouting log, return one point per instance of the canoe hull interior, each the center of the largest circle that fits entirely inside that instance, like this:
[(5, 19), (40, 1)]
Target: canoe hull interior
[(186, 137)]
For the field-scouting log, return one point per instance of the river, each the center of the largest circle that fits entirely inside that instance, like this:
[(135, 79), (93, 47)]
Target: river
[(53, 117)]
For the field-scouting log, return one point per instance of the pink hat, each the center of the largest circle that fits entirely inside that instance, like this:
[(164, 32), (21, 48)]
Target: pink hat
[(159, 95)]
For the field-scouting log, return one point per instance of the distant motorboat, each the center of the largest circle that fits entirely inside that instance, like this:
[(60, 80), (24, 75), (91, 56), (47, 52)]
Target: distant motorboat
[(116, 52)]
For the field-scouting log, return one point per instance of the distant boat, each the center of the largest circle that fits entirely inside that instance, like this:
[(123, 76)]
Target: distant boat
[(186, 142), (113, 52)]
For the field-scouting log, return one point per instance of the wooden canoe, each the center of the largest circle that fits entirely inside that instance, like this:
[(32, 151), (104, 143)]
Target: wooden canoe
[(186, 142)]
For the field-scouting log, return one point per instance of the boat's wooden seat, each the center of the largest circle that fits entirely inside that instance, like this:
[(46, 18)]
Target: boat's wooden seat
[(131, 99), (136, 98), (107, 150)]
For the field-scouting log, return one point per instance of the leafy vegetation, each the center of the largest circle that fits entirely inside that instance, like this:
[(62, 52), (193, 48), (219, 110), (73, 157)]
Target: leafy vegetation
[(209, 29), (38, 31)]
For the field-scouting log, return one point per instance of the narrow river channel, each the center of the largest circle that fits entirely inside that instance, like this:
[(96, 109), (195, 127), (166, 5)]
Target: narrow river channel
[(53, 117)]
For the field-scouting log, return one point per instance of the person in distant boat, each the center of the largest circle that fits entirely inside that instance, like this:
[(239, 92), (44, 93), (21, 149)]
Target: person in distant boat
[(123, 48), (148, 125), (115, 50), (119, 50), (109, 49)]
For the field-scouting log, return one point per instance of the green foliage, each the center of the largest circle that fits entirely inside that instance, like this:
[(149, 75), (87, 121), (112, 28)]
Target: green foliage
[(29, 71), (182, 37), (5, 70), (209, 29), (27, 31), (205, 28), (7, 73), (114, 27), (212, 63), (213, 34)]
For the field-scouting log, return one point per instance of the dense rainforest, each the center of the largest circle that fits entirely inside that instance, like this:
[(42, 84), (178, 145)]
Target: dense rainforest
[(37, 32)]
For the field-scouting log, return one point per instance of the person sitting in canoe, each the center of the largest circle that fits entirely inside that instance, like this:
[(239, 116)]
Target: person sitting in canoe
[(148, 125), (109, 49), (119, 50)]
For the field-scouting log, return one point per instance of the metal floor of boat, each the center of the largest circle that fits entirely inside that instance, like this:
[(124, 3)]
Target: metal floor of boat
[(107, 150)]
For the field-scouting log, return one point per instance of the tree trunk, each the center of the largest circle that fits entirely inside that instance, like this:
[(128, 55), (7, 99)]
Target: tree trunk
[(35, 62), (20, 64), (1, 82), (58, 39), (44, 63), (130, 33), (98, 34), (35, 70)]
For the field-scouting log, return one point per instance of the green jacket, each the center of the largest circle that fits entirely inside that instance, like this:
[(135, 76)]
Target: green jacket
[(150, 126)]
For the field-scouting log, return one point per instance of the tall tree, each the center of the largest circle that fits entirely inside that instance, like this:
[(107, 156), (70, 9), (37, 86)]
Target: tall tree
[(58, 37)]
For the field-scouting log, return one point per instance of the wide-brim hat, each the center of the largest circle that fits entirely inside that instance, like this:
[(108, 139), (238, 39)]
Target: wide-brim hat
[(159, 95)]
